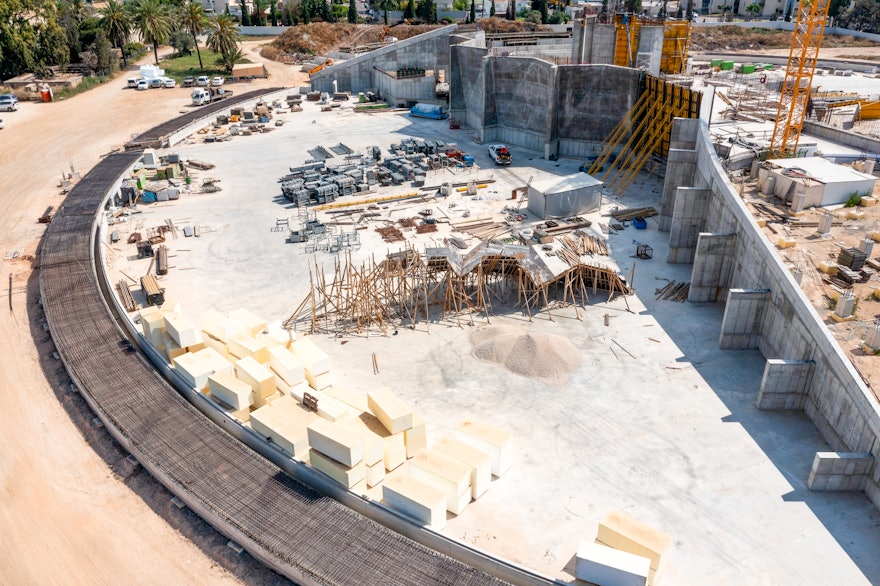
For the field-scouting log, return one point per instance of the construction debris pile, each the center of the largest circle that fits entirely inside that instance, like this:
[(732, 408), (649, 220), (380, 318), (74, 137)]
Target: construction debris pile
[(531, 354)]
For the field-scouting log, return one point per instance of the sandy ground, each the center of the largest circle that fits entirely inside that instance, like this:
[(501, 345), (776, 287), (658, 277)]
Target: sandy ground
[(73, 509)]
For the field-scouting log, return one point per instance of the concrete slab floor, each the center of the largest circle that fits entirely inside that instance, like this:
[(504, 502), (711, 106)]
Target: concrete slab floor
[(656, 420)]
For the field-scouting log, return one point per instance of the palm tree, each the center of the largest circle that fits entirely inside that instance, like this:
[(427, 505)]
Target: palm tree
[(223, 35), (117, 24), (154, 22), (754, 9), (194, 20), (386, 5), (724, 10)]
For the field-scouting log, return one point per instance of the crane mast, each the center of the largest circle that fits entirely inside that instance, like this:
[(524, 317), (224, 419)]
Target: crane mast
[(805, 42)]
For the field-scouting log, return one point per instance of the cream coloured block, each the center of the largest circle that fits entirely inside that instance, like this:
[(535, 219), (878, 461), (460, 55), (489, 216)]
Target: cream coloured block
[(217, 361), (286, 365), (478, 461), (229, 390), (149, 310), (248, 322), (867, 201), (447, 474), (297, 391), (417, 500), (193, 369), (336, 441), (620, 531), (218, 325), (375, 474), (200, 346), (785, 242), (313, 358), (395, 446), (153, 326), (347, 476), (495, 442), (285, 422), (172, 350), (243, 345), (374, 444), (171, 305), (318, 382), (329, 408), (211, 342), (275, 336), (260, 378), (243, 415), (394, 414), (855, 215), (829, 268), (598, 564), (416, 437), (180, 328), (353, 398)]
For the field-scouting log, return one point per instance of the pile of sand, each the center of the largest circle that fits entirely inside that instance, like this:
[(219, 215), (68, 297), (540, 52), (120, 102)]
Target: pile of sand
[(529, 354)]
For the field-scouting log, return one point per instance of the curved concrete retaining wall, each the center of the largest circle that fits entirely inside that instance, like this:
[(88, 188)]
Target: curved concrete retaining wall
[(734, 263)]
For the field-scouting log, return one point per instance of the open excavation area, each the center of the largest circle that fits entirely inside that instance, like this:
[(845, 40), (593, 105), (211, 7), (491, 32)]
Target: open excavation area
[(612, 401)]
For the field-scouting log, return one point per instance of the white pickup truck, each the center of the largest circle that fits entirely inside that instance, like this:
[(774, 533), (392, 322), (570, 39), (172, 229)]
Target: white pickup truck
[(202, 96)]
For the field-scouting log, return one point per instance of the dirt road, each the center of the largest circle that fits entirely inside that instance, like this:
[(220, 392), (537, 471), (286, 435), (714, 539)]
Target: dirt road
[(74, 511)]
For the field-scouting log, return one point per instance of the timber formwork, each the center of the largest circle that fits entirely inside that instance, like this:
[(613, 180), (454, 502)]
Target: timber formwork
[(302, 534), (157, 137), (675, 47)]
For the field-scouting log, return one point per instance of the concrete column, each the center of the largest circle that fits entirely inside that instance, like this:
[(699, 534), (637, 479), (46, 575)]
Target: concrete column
[(840, 471), (824, 229), (797, 203), (785, 384), (713, 260), (686, 223), (845, 304), (651, 41), (866, 245), (680, 170), (743, 319)]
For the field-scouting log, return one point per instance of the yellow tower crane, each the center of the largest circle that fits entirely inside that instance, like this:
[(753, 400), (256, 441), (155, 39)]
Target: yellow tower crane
[(805, 42)]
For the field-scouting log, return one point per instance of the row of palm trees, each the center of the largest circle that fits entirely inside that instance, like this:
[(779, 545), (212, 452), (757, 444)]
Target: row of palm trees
[(155, 21)]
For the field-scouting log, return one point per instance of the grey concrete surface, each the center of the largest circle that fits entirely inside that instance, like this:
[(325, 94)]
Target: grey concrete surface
[(656, 421)]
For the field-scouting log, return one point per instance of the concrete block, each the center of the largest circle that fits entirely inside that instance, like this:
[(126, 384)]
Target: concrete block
[(172, 349), (354, 398), (275, 337), (599, 564), (875, 236), (336, 441), (374, 443), (347, 476), (218, 325), (784, 242), (153, 326), (313, 358), (417, 500), (295, 391), (212, 342), (200, 346), (416, 437), (242, 345), (318, 382), (286, 365), (243, 415), (285, 422), (394, 414), (193, 370), (445, 473), (180, 328), (331, 409), (855, 215), (171, 305), (215, 360), (375, 474), (395, 443), (868, 201), (226, 388), (260, 378), (248, 322), (495, 442), (620, 531), (478, 461)]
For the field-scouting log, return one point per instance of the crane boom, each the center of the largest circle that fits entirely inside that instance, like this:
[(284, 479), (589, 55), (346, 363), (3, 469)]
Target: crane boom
[(805, 42)]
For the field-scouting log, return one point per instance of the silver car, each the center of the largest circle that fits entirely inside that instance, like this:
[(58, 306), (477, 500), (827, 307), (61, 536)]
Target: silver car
[(8, 103)]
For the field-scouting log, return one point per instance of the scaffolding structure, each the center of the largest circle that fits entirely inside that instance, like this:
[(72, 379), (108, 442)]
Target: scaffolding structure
[(676, 42), (407, 288)]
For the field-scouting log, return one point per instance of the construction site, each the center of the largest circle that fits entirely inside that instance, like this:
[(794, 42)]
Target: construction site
[(639, 349)]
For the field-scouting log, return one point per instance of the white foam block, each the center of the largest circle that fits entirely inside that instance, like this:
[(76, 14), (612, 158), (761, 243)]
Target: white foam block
[(348, 476), (296, 391), (286, 365), (375, 474), (215, 360), (313, 358), (285, 422), (172, 349), (447, 474), (354, 398), (218, 325), (495, 442), (260, 378), (394, 414), (374, 444), (395, 447), (329, 408), (318, 382), (248, 322), (243, 345), (180, 328), (416, 437), (153, 326), (336, 441), (478, 461), (212, 342), (600, 564), (193, 369), (276, 336), (414, 498), (231, 391)]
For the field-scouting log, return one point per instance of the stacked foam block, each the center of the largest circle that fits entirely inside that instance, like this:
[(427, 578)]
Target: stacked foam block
[(337, 451)]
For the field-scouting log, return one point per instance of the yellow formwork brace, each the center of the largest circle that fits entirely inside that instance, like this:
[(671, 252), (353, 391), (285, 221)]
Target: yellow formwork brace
[(385, 198)]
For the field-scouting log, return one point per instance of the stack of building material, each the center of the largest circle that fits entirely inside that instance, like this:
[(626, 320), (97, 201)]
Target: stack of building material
[(172, 349), (243, 345), (416, 437), (316, 364), (285, 422), (217, 325), (153, 326), (181, 330), (353, 398), (416, 499), (598, 564), (446, 474), (248, 322), (337, 451), (260, 379), (495, 442), (374, 448), (394, 452), (394, 414), (329, 408), (622, 532), (194, 369), (286, 365), (216, 361), (479, 462), (234, 395)]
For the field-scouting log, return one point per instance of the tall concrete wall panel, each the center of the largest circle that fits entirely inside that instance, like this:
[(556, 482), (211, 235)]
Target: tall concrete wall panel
[(467, 95), (523, 91), (837, 401), (592, 100)]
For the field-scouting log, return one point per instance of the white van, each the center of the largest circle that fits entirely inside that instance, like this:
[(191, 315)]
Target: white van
[(132, 82), (200, 96), (142, 84)]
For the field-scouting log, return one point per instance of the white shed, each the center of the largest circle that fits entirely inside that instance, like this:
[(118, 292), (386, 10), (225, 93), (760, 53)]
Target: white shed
[(561, 197), (820, 181)]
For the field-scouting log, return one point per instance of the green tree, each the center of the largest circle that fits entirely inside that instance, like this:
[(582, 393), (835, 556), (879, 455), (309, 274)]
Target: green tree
[(228, 60), (352, 11), (223, 36), (510, 14), (385, 6), (181, 42), (117, 25), (492, 8), (724, 8), (863, 16), (245, 14), (273, 13), (753, 9), (427, 11), (194, 20), (153, 20), (409, 11), (473, 13)]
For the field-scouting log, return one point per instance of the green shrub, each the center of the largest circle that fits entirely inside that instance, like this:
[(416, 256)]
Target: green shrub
[(853, 200)]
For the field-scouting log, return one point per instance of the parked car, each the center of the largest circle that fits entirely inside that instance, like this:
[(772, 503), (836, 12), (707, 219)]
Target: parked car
[(8, 103), (156, 82), (217, 81), (169, 82), (143, 84), (203, 80), (1, 123), (189, 81), (132, 83), (499, 154)]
